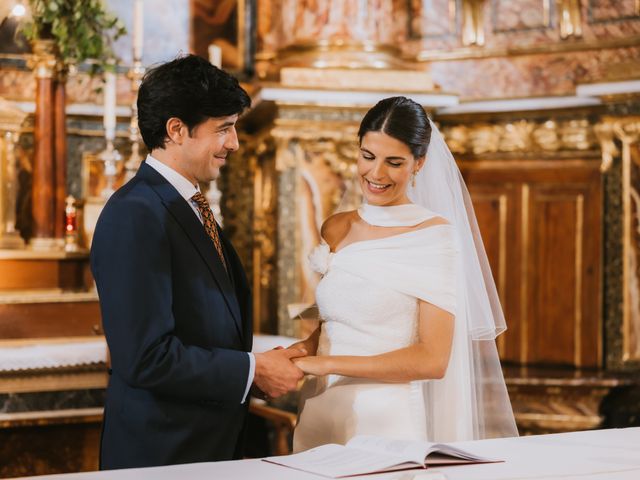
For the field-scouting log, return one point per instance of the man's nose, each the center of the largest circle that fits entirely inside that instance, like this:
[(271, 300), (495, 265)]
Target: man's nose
[(232, 143)]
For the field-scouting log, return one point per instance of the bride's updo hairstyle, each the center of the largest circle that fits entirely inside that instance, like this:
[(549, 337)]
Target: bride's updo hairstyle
[(402, 119)]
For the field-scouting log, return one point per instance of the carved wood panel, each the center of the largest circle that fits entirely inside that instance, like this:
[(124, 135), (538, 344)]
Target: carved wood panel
[(540, 223)]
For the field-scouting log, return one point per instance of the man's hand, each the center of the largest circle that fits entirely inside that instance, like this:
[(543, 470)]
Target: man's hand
[(275, 373)]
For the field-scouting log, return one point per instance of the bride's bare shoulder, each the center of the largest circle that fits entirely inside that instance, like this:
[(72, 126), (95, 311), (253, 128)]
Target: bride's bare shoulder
[(336, 227)]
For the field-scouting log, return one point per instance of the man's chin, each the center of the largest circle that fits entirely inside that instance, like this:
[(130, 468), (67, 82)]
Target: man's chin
[(209, 177)]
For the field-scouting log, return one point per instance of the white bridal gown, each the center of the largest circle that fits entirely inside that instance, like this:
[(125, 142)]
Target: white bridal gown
[(368, 303)]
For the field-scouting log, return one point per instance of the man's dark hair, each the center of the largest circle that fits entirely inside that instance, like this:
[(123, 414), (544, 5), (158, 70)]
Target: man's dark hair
[(402, 119), (188, 88)]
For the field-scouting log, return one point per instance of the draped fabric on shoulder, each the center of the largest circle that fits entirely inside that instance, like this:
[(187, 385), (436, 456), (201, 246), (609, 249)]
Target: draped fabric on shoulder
[(402, 263)]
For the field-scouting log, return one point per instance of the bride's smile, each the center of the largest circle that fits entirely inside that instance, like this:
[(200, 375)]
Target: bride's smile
[(385, 168)]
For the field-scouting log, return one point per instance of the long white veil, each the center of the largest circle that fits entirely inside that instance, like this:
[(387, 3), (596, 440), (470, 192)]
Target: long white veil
[(471, 401)]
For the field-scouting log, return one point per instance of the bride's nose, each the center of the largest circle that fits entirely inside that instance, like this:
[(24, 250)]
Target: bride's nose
[(378, 170)]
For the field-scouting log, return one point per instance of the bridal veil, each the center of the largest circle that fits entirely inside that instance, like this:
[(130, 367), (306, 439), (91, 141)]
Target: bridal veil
[(471, 401)]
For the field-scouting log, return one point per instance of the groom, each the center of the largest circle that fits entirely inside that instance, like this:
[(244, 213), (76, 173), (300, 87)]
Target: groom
[(176, 306)]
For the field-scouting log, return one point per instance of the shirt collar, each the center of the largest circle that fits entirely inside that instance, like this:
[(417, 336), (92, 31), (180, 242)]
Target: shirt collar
[(184, 187)]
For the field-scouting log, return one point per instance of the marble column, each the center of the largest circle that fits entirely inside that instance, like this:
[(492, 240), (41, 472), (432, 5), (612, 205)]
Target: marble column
[(9, 237), (44, 175)]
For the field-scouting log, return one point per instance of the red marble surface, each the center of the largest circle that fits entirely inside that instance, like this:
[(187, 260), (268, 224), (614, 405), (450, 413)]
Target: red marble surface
[(282, 22), (285, 22), (520, 14), (19, 85), (528, 75)]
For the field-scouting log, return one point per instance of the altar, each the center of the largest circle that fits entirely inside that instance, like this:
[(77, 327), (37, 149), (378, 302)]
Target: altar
[(593, 455), (539, 103)]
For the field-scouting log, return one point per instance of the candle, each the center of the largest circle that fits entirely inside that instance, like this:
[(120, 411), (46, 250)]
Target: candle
[(215, 55), (138, 30), (109, 119)]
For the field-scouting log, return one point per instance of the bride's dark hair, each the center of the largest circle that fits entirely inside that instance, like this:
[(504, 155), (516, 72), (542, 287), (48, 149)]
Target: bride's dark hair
[(402, 119)]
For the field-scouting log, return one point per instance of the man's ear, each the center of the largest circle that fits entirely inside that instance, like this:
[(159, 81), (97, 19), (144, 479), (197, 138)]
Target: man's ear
[(176, 130)]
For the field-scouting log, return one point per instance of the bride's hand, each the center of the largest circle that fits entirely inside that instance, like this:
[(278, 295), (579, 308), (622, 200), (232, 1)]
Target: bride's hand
[(313, 365)]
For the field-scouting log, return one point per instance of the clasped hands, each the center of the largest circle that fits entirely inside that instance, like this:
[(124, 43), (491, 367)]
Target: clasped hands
[(278, 371)]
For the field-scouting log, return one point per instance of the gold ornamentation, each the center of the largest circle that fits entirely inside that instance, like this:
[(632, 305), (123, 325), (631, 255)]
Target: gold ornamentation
[(516, 137), (522, 136), (485, 138), (473, 22), (576, 135), (620, 140), (570, 17), (315, 161), (546, 136), (604, 133), (44, 60), (340, 54)]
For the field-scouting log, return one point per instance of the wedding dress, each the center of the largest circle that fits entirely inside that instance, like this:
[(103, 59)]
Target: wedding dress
[(368, 302)]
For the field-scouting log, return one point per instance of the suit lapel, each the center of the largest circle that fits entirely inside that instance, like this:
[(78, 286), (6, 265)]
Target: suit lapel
[(243, 292), (185, 216)]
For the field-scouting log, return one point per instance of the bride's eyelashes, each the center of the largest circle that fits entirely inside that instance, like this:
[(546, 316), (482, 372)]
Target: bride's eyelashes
[(390, 162)]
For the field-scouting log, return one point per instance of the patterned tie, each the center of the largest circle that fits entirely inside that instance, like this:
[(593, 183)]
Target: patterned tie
[(209, 223)]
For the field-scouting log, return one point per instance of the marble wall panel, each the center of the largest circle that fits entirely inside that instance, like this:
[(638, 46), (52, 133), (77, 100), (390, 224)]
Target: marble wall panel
[(432, 18), (43, 401), (528, 75), (284, 22), (513, 15), (20, 85), (523, 23), (611, 10)]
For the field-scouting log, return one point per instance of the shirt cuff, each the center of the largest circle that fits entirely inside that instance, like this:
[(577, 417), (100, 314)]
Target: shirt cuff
[(252, 372)]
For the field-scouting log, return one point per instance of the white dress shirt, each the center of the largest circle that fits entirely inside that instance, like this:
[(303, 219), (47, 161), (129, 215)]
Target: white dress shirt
[(187, 190)]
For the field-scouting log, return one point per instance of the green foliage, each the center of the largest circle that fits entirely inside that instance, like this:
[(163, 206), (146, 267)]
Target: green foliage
[(81, 29)]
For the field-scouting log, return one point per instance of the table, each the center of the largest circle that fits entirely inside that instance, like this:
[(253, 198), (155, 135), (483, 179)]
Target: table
[(591, 455)]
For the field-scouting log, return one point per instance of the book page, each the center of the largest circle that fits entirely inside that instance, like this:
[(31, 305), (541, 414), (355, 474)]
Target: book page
[(413, 450), (338, 461), (442, 451)]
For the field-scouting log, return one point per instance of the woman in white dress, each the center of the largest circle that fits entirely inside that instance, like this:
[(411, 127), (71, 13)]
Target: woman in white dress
[(408, 307)]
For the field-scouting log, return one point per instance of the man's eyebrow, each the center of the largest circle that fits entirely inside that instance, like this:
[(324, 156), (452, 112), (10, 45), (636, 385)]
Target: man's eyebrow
[(225, 125)]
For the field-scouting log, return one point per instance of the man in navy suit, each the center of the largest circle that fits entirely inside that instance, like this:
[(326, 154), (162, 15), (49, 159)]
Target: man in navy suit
[(175, 301)]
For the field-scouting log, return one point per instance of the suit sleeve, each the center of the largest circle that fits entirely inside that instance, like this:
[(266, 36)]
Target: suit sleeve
[(131, 263)]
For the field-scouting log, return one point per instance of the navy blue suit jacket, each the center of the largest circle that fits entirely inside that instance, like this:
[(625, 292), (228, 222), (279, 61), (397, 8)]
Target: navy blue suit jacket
[(178, 329)]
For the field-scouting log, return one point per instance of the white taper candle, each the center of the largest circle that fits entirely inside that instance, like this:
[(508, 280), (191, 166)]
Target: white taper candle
[(138, 29), (109, 119)]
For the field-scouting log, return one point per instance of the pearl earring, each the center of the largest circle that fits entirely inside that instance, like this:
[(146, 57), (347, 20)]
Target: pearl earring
[(413, 179)]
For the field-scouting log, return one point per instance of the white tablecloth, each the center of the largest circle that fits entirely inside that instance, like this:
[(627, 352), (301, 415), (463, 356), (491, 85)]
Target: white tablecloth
[(52, 355), (593, 455)]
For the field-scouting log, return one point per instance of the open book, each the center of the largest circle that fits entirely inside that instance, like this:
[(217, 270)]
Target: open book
[(367, 454)]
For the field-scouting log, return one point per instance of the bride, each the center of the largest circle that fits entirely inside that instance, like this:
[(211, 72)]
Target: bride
[(409, 310)]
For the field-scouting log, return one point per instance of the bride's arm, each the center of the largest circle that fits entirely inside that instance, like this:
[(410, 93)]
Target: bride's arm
[(427, 359), (310, 344)]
